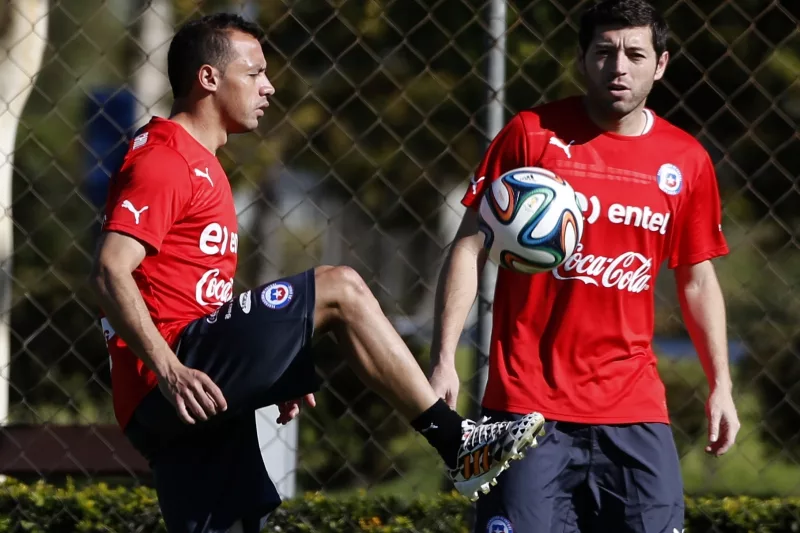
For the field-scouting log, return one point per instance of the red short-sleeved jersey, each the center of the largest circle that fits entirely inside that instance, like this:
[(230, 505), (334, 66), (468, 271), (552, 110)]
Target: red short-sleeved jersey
[(171, 194), (575, 343)]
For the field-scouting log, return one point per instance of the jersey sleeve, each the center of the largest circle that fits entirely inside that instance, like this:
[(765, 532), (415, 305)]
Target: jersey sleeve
[(699, 236), (148, 195), (507, 151)]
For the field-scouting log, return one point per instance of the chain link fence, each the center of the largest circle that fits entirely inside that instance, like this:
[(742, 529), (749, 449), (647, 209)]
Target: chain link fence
[(379, 118)]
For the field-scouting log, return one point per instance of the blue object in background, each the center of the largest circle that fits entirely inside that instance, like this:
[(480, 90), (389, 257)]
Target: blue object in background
[(109, 113), (682, 347)]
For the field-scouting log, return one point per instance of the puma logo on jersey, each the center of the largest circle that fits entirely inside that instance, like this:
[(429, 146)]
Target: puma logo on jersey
[(136, 212), (555, 141), (203, 174), (474, 182)]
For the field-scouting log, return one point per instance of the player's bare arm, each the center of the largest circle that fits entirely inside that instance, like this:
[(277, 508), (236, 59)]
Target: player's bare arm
[(192, 393), (455, 294), (703, 309)]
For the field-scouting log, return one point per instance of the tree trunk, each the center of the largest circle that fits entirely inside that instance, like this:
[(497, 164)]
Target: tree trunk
[(22, 44), (150, 82)]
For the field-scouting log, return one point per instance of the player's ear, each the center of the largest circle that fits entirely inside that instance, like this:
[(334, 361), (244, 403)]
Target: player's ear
[(208, 77), (581, 61), (661, 65)]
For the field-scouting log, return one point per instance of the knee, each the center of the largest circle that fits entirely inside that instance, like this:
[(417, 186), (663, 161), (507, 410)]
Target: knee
[(323, 269), (348, 283), (341, 286)]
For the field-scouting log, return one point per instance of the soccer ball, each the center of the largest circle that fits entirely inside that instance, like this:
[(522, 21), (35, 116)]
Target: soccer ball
[(531, 220)]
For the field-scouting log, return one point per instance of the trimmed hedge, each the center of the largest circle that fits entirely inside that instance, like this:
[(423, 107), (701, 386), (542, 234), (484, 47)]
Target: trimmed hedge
[(43, 508)]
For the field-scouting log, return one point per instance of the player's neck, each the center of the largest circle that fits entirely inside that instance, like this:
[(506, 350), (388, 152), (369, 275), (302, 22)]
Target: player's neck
[(632, 124), (205, 129)]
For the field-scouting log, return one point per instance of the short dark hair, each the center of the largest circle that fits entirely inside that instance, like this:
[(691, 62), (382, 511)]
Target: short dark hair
[(625, 14), (205, 41)]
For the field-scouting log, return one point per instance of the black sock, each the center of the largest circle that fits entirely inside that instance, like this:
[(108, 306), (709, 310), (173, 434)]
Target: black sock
[(442, 427)]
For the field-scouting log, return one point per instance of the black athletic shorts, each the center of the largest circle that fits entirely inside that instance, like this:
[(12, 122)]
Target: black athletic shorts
[(257, 349)]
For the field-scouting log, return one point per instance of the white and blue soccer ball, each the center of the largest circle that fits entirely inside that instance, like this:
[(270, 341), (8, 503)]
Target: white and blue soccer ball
[(531, 220)]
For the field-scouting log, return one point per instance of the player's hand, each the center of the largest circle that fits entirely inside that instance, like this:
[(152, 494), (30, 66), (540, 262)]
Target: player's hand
[(192, 393), (445, 383), (289, 410), (723, 421)]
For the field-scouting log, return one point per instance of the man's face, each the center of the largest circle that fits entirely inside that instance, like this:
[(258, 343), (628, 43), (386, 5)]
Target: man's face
[(620, 67), (244, 86)]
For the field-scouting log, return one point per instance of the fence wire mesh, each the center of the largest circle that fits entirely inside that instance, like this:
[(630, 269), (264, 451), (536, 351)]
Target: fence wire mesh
[(379, 117)]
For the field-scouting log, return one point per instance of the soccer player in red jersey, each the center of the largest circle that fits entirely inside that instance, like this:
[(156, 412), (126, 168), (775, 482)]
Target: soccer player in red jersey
[(575, 343), (190, 361)]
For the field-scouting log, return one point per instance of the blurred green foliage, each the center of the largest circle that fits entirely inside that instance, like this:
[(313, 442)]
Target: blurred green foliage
[(98, 508)]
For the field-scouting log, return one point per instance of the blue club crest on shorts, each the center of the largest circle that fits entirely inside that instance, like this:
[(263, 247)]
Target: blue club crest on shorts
[(670, 179), (499, 524), (277, 295)]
